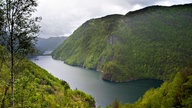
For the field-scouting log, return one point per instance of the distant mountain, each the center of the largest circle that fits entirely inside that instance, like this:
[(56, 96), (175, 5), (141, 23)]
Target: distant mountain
[(49, 44), (154, 42)]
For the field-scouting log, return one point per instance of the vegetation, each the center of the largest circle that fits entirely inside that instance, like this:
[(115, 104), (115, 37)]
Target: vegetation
[(36, 88), (172, 94), (154, 42), (18, 32), (22, 83)]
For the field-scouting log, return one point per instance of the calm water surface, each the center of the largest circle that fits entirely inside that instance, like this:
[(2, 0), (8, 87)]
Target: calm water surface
[(90, 82)]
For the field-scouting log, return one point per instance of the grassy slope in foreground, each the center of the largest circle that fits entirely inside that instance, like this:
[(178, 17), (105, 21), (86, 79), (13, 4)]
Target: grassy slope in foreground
[(154, 42), (36, 88)]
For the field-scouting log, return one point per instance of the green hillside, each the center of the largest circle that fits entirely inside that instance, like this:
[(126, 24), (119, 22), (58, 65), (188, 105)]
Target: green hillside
[(154, 42), (172, 94), (36, 88)]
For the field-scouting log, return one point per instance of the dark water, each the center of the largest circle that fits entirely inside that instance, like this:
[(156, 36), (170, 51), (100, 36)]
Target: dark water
[(90, 82)]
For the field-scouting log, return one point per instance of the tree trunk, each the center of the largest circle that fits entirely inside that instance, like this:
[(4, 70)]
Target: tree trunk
[(5, 93), (12, 71), (12, 78), (12, 60)]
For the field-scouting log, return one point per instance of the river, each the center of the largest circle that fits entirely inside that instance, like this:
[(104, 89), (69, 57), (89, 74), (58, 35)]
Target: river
[(91, 82)]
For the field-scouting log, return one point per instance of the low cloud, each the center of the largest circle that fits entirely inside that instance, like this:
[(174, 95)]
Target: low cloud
[(62, 17)]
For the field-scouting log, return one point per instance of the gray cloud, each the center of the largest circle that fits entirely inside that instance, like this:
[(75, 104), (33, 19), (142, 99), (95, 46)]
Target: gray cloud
[(62, 17)]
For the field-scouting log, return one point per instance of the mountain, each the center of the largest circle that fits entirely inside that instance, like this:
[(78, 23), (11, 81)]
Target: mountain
[(172, 94), (49, 44), (34, 87), (154, 42)]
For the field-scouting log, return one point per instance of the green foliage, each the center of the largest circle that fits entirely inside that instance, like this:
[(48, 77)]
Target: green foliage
[(174, 94), (36, 88), (154, 42), (18, 33), (19, 27)]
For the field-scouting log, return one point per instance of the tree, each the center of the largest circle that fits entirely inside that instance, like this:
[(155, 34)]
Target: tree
[(1, 18), (1, 28), (19, 32)]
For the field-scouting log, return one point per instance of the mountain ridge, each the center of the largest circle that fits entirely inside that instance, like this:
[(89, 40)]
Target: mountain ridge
[(49, 44), (153, 42)]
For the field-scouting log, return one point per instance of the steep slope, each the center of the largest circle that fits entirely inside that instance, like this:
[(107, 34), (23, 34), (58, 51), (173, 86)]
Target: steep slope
[(172, 94), (49, 44), (154, 42), (36, 88)]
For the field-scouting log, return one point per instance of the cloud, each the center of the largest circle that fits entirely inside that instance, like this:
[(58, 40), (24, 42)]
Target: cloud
[(62, 17)]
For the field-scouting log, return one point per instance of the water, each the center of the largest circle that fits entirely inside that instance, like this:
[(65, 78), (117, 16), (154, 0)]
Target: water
[(91, 82)]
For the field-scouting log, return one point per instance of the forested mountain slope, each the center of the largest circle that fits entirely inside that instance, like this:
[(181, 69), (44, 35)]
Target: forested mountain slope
[(36, 88), (154, 42), (49, 44), (172, 94)]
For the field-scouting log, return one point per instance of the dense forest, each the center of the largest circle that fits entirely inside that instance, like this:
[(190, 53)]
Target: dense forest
[(154, 42), (176, 93), (36, 88), (22, 83)]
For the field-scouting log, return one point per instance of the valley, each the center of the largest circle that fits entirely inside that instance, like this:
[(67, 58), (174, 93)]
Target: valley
[(151, 43), (90, 82)]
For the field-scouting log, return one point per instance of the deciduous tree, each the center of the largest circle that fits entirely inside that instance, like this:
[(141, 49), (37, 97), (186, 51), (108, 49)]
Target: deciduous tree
[(19, 32)]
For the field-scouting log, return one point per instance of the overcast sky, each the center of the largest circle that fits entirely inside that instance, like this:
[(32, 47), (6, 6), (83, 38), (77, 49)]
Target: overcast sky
[(62, 17)]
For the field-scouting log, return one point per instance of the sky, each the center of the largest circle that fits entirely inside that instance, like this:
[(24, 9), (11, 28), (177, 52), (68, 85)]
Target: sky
[(63, 17)]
